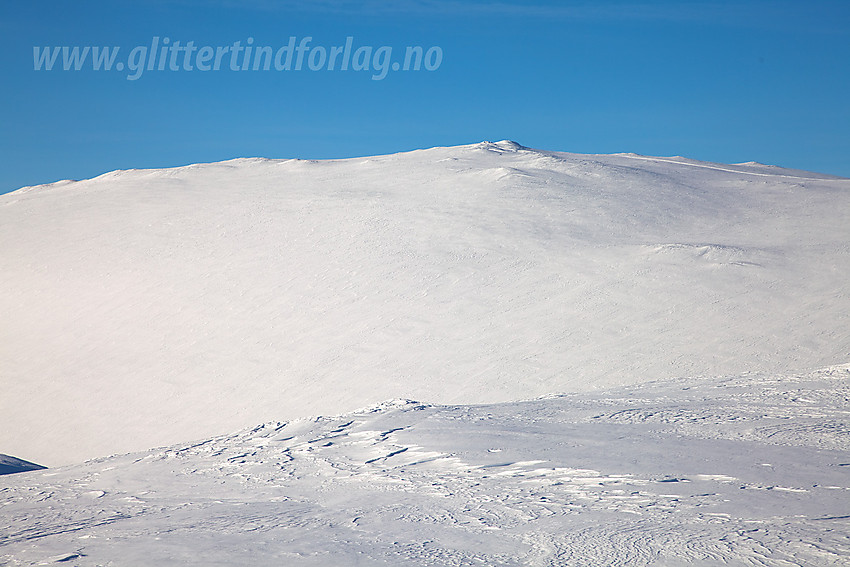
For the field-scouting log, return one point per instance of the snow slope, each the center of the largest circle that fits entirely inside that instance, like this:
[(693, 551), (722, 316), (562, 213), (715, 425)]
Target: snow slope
[(736, 470), (145, 307)]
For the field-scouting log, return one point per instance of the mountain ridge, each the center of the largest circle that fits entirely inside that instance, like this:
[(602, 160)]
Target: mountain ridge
[(502, 146), (156, 305)]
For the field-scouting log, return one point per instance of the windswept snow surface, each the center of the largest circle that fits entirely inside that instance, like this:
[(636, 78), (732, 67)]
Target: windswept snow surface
[(144, 307), (737, 470)]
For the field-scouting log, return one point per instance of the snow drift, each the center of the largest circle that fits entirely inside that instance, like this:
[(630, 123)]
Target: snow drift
[(146, 307), (736, 470)]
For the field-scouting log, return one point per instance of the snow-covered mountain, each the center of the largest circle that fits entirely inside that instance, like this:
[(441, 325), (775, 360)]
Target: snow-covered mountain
[(146, 307), (737, 470)]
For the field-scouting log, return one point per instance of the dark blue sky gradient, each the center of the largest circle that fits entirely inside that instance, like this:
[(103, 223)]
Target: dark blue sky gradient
[(717, 81)]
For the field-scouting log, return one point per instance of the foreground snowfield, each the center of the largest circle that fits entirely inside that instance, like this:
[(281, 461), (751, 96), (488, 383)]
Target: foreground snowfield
[(145, 307), (738, 470)]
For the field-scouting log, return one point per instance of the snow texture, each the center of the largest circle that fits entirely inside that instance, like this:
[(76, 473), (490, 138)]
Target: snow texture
[(145, 307), (736, 470)]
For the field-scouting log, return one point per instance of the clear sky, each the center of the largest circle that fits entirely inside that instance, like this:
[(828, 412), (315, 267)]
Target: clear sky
[(720, 81)]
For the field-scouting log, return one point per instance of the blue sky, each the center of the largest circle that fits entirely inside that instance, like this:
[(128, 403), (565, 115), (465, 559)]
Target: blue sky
[(717, 81)]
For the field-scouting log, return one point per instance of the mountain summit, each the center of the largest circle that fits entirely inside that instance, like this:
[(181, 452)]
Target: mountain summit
[(146, 307)]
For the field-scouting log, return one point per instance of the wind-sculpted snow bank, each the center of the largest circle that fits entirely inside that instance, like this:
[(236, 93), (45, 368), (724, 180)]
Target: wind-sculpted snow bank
[(738, 470)]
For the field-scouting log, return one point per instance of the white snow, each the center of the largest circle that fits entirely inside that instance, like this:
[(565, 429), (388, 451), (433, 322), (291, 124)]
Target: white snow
[(146, 307), (737, 470)]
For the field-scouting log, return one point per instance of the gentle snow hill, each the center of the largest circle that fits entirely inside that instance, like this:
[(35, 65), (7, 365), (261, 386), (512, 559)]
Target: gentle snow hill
[(735, 470), (143, 307)]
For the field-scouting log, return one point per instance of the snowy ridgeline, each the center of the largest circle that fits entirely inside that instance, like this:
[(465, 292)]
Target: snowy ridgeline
[(742, 470), (145, 307)]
